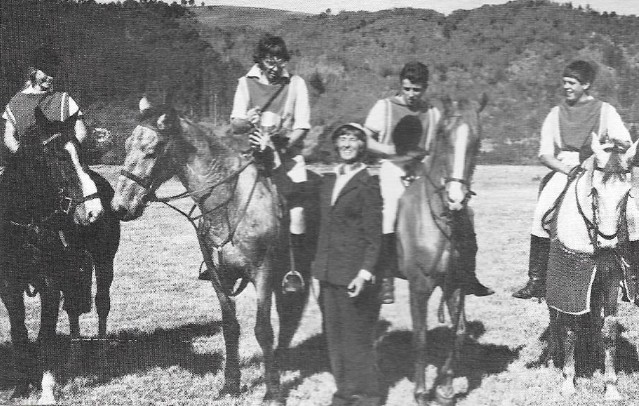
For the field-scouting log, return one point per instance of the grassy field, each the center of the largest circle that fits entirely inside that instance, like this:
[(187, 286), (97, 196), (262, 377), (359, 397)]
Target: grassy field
[(168, 348)]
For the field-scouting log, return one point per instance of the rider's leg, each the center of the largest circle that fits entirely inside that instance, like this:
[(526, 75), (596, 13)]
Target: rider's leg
[(540, 239), (467, 240), (391, 188)]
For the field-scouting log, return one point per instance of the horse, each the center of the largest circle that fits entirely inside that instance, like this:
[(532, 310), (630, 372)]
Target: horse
[(241, 231), (56, 227), (434, 243), (587, 262)]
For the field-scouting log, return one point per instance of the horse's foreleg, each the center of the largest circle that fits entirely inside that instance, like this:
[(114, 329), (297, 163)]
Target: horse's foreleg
[(231, 332), (50, 305), (419, 314), (609, 334), (445, 392), (264, 336), (103, 280), (568, 386), (12, 297)]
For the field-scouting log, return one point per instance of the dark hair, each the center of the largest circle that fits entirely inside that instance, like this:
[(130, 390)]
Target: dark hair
[(583, 71), (44, 58), (349, 129), (270, 45), (416, 72)]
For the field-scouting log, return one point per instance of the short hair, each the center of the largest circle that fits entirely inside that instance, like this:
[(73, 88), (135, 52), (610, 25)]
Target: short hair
[(583, 71), (270, 45), (416, 72), (349, 129)]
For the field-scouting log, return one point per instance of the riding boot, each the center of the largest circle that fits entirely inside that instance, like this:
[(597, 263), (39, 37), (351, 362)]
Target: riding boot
[(537, 267), (205, 275), (388, 268), (293, 281), (468, 265)]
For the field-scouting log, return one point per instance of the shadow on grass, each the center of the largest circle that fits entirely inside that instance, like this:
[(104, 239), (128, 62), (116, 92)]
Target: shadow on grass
[(128, 352), (476, 361), (587, 358)]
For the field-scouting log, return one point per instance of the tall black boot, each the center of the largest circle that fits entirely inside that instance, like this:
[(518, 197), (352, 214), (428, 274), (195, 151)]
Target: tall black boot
[(464, 234), (388, 268), (293, 281), (537, 267)]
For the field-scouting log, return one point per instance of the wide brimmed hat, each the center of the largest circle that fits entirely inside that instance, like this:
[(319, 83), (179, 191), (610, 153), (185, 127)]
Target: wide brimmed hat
[(361, 133)]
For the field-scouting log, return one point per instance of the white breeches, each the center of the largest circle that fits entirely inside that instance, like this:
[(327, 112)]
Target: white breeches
[(391, 188), (297, 175)]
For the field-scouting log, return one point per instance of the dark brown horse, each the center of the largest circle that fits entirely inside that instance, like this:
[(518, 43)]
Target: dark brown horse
[(434, 229), (57, 227), (241, 230)]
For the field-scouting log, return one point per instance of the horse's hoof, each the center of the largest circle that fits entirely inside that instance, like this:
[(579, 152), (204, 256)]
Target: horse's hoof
[(445, 395), (568, 389), (21, 390), (612, 394)]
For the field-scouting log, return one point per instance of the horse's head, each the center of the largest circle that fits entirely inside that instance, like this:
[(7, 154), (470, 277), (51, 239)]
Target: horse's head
[(71, 188), (607, 183), (148, 161), (457, 143)]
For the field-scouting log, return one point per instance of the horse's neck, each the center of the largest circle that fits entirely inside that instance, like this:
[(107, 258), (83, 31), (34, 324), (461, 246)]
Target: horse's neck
[(209, 164)]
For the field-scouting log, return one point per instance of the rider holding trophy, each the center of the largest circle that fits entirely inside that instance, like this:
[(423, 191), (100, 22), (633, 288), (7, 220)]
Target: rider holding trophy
[(270, 100)]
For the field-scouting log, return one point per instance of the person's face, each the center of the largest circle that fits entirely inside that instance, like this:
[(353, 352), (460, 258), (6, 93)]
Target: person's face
[(273, 67), (43, 81), (573, 89), (412, 92), (349, 147)]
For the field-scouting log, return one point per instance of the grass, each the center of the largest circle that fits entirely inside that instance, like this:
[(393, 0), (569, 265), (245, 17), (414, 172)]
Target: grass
[(167, 347)]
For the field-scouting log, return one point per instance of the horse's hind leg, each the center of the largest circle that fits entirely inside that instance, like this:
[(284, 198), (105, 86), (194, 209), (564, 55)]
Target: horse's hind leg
[(419, 314)]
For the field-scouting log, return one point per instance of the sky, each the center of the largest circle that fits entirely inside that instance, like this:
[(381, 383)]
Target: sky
[(626, 7)]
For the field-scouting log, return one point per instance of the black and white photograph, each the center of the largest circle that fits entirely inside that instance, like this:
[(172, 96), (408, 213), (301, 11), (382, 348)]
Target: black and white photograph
[(319, 203)]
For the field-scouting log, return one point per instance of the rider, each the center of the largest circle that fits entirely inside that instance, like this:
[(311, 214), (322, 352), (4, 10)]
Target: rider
[(564, 145), (37, 104), (399, 129), (272, 100)]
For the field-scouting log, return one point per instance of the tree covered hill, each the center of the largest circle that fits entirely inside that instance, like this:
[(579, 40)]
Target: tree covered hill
[(113, 53), (514, 52)]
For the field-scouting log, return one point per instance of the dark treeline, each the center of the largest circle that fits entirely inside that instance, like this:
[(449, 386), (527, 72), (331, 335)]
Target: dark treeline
[(192, 56), (112, 54)]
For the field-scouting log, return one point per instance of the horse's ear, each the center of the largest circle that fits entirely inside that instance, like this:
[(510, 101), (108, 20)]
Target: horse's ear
[(483, 101), (144, 104), (595, 144), (630, 153)]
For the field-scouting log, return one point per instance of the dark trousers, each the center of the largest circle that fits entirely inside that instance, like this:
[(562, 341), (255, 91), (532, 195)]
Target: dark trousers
[(349, 325)]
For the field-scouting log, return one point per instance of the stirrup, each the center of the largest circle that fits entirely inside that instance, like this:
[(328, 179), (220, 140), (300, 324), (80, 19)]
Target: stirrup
[(293, 282)]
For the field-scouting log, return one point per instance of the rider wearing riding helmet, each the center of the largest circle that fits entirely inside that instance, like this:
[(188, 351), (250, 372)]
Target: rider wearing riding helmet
[(564, 145), (399, 130)]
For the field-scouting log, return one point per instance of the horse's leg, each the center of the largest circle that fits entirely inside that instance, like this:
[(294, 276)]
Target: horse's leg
[(569, 324), (595, 325), (50, 305), (231, 332), (445, 393), (555, 338), (609, 334), (419, 314), (264, 335), (103, 280), (12, 297)]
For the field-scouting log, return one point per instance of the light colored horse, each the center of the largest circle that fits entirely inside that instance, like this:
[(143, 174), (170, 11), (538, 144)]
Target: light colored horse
[(435, 235), (241, 233), (47, 201), (586, 265)]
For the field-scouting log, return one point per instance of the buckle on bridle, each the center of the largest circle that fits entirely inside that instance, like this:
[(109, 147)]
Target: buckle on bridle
[(66, 204)]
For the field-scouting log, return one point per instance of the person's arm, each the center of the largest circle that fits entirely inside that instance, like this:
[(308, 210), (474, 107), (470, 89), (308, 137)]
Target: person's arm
[(10, 140), (80, 130), (372, 232), (374, 125)]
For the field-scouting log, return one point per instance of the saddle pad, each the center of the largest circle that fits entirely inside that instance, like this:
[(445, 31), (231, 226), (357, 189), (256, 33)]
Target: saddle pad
[(569, 280)]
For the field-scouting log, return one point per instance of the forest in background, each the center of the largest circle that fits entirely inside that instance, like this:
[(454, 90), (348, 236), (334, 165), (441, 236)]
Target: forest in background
[(192, 56)]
